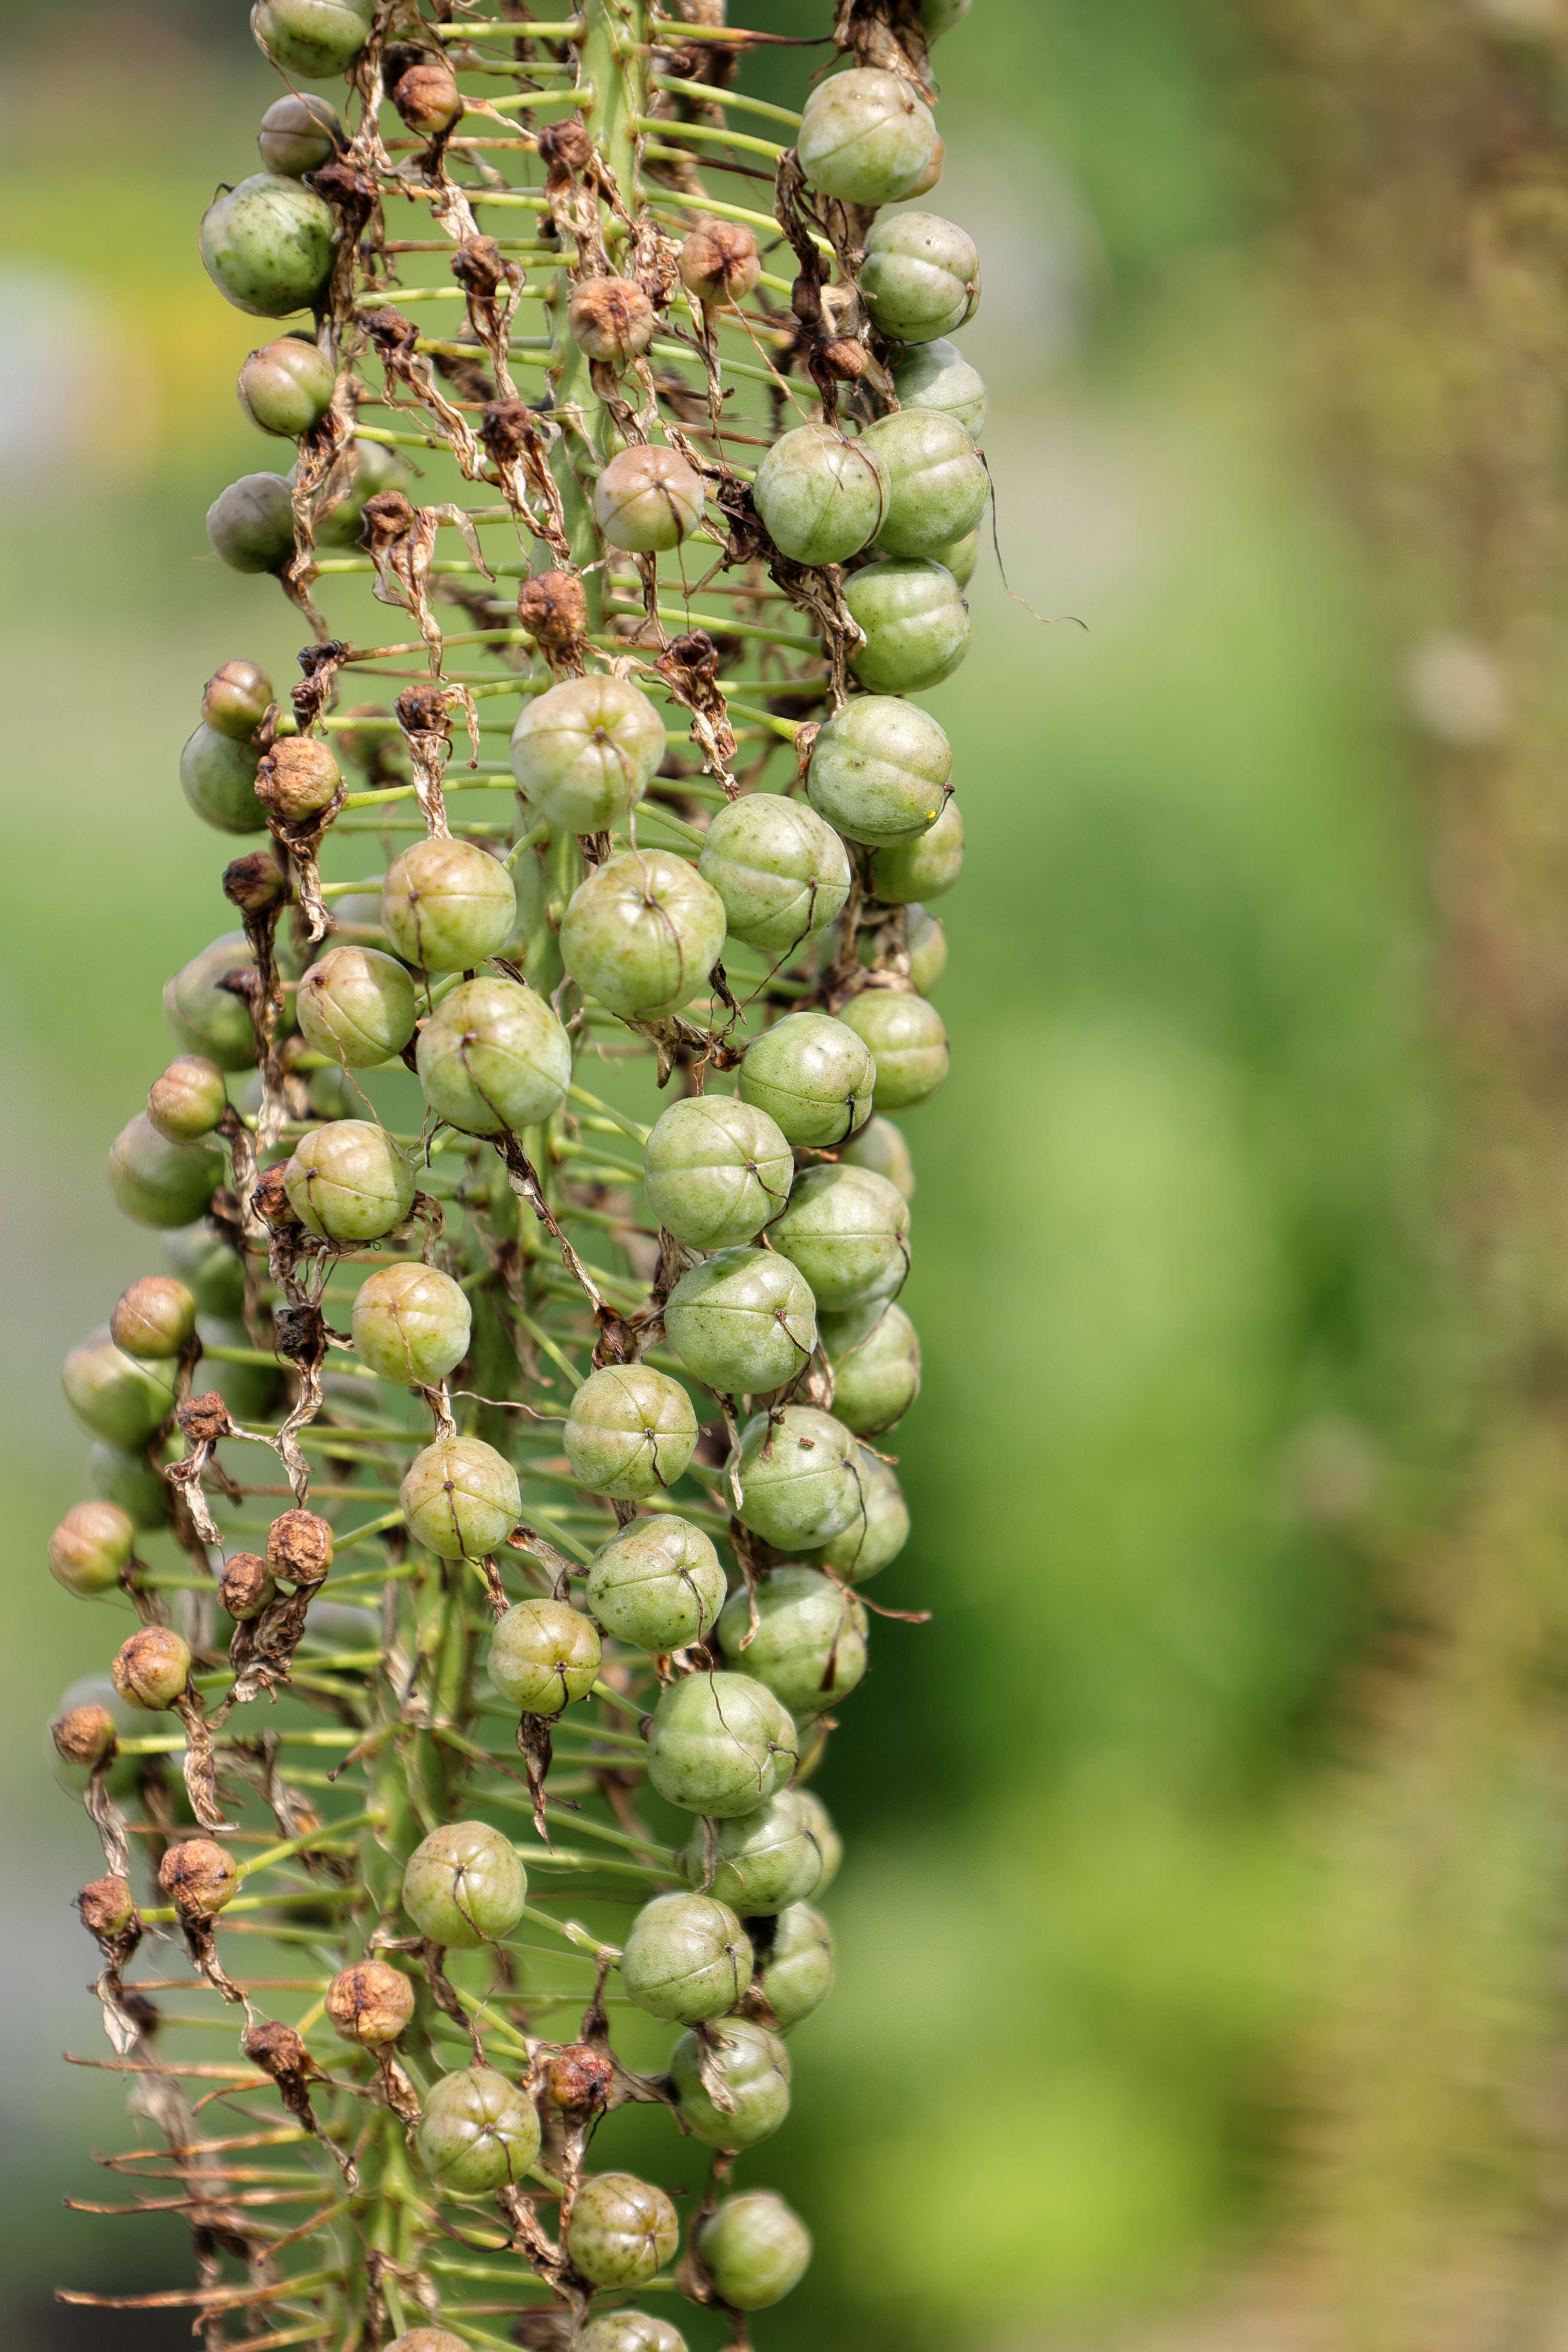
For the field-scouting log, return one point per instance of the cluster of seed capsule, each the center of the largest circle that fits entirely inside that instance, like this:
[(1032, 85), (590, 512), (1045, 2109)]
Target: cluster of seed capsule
[(749, 1349)]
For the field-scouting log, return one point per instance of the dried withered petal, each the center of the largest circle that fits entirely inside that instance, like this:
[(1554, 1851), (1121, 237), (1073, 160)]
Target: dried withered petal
[(387, 516), (299, 1547), (392, 332), (422, 710), (277, 2049), (507, 428)]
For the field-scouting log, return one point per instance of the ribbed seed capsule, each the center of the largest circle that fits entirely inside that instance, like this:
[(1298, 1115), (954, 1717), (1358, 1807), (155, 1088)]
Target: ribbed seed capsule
[(936, 375), (715, 1170), (658, 1584), (744, 1321), (152, 1668), (798, 1477), (822, 497), (114, 1395), (287, 386), (91, 1547), (478, 2133), (811, 1075), (719, 262), (796, 1976), (200, 1877), (847, 1231), (875, 1356), (188, 1100), (584, 751), (543, 1655), (865, 137), (687, 1957), (411, 1323), (370, 2004), (630, 2331), (753, 2067), (648, 500), (921, 870), (154, 1318), (268, 246), (157, 1181), (460, 1498), (642, 932), (879, 1528), (756, 2249), (447, 905), (299, 133), (881, 1146), (315, 37), (611, 318), (880, 770), (622, 2232), (808, 1641), (908, 1042), (630, 1431), (217, 776), (349, 1181), (916, 624), (358, 1005), (720, 1743), (761, 1862), (920, 278), (782, 874), (492, 1057), (465, 1885)]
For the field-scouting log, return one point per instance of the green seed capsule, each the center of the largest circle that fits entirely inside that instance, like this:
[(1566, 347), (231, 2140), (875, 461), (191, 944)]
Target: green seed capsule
[(764, 1860), (687, 1957), (880, 770), (268, 246), (939, 16), (920, 278), (809, 1641), (799, 1478), (113, 1396), (881, 1146), (648, 500), (479, 2133), (188, 1100), (937, 485), (236, 700), (782, 875), (314, 38), (251, 524), (622, 2232), (642, 932), (879, 1528), (544, 1655), (753, 2067), (217, 776), (743, 1321), (720, 1743), (151, 1669), (204, 1015), (960, 557), (153, 1319), (756, 2249), (875, 1356), (630, 1431), (158, 1182), (337, 515), (715, 1170), (287, 386), (798, 1977), (465, 1885), (460, 1498), (349, 1181), (865, 137), (493, 1056), (630, 2331), (935, 375), (582, 752), (908, 1042), (927, 948), (211, 1271), (921, 869), (847, 1231), (358, 1005), (411, 1323), (916, 624), (658, 1584), (299, 133), (129, 1481), (822, 497), (91, 1547), (813, 1076), (447, 905)]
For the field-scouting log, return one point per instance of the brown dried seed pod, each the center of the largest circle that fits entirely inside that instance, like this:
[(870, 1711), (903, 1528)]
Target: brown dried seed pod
[(298, 779), (422, 710), (152, 1668), (428, 98), (205, 1419), (566, 146), (553, 608), (270, 1199), (477, 266), (84, 1736), (154, 1318), (611, 318), (719, 261), (107, 1906), (199, 1876), (247, 1587), (580, 2079), (300, 1547), (276, 2049), (369, 2003), (255, 882)]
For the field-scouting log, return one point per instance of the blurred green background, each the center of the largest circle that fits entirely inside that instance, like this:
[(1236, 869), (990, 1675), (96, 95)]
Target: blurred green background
[(1171, 1251)]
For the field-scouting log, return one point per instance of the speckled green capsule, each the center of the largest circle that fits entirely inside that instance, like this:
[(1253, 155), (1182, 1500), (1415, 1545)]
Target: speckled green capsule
[(720, 1743), (630, 1431), (478, 2133), (217, 776), (806, 1642), (349, 1181), (357, 1005), (880, 1527), (937, 375), (865, 137), (880, 770), (812, 1076), (314, 37), (544, 1655), (642, 932), (582, 752), (465, 1885), (715, 1170), (494, 1057), (782, 874), (875, 1356), (798, 1476), (916, 624), (847, 1230), (756, 2249), (743, 1321), (658, 1584), (204, 1015), (411, 1323), (687, 1958), (446, 904), (115, 1396), (761, 1862), (158, 1182), (937, 485), (622, 2232), (460, 1498), (753, 2067), (822, 497), (920, 278), (630, 2331), (267, 246), (921, 870), (798, 1977), (908, 1042), (251, 523)]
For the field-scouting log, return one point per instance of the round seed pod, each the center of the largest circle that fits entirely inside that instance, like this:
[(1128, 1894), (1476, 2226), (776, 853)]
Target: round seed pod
[(204, 1015), (251, 524), (939, 16), (268, 246), (715, 1170), (217, 776), (553, 608), (611, 318), (199, 1876), (188, 1100), (370, 2004), (357, 1005), (622, 2231), (315, 37), (719, 262), (428, 98), (298, 779), (782, 875), (447, 905), (879, 1528), (630, 1431), (813, 1076), (460, 1498), (642, 932), (107, 1906), (114, 1475), (494, 1057), (479, 2133), (579, 2079), (938, 489), (865, 137), (921, 870), (797, 1474), (349, 1181), (743, 1321), (658, 1584), (464, 1885), (809, 1646), (875, 1355), (720, 1743), (112, 1395), (880, 770), (927, 948), (287, 386), (799, 1973), (299, 133), (648, 500), (85, 1727), (756, 2249), (687, 1957), (91, 1547), (247, 1587), (211, 1271), (960, 557), (881, 1146), (236, 700), (753, 2067), (155, 1318), (830, 1845), (847, 1231), (152, 1668), (255, 883), (822, 497), (908, 1042), (411, 1323), (158, 1182), (920, 278), (916, 624), (630, 2331), (544, 1655), (368, 467), (584, 750), (765, 1860)]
